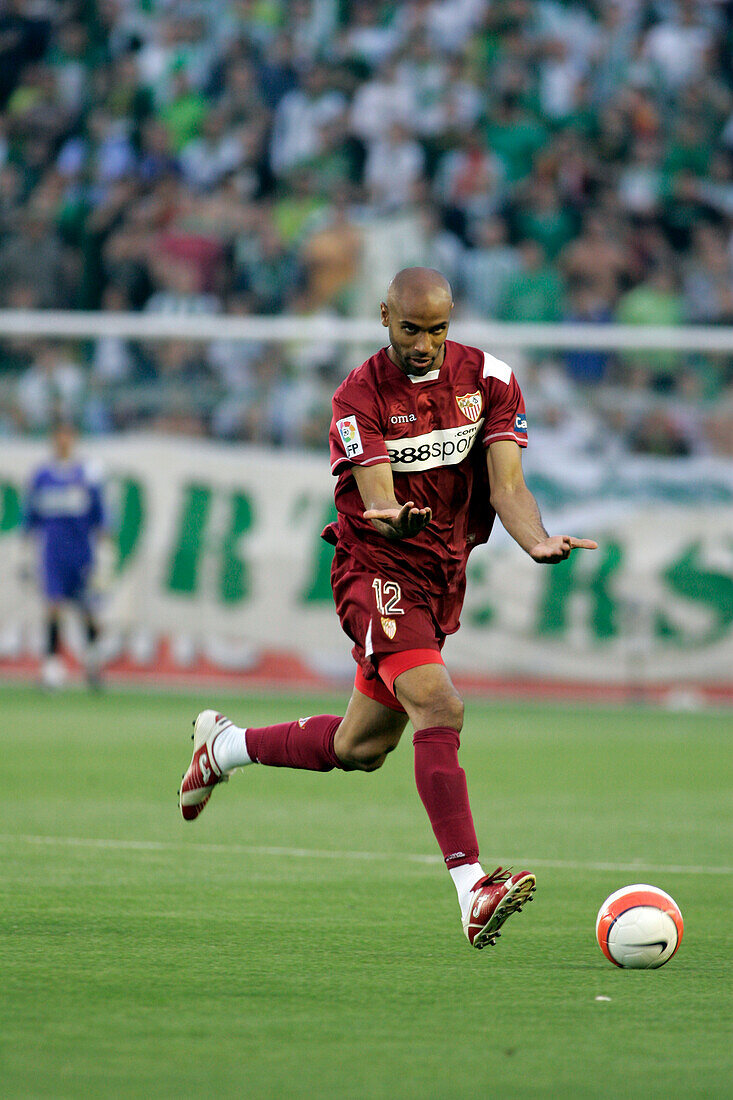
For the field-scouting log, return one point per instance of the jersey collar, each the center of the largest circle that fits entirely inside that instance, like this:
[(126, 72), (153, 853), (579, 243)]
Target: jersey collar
[(431, 376)]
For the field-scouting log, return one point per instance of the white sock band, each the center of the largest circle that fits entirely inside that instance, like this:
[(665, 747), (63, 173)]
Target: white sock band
[(230, 749), (465, 878)]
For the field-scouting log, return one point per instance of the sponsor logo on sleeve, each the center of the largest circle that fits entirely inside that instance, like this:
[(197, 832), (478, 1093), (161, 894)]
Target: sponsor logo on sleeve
[(471, 405), (520, 424), (349, 432)]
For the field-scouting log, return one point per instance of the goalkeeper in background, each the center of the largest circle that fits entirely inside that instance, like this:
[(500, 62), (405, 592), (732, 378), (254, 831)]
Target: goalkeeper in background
[(65, 516)]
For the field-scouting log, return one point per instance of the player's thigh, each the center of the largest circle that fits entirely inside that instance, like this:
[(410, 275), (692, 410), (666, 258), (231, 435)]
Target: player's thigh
[(369, 729), (428, 695)]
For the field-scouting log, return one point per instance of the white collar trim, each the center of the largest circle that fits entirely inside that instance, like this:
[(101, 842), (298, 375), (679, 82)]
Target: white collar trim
[(429, 377)]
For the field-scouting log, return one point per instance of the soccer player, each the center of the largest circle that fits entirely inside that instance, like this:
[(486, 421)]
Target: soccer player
[(426, 444), (65, 514)]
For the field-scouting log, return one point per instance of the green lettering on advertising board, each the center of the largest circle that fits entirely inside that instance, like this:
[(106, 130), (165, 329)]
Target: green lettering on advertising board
[(185, 562), (567, 578), (10, 510), (318, 586), (234, 584), (687, 578), (132, 519)]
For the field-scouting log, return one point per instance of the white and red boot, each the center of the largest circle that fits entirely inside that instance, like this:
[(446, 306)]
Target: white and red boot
[(494, 898), (203, 772)]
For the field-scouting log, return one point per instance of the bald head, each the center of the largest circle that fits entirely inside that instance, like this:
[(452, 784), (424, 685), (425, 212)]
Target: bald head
[(419, 285), (417, 313)]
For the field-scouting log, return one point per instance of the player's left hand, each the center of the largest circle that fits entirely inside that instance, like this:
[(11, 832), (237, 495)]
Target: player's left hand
[(558, 547)]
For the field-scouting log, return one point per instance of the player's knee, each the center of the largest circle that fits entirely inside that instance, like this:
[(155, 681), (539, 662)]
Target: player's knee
[(370, 756), (453, 708), (446, 710), (373, 763)]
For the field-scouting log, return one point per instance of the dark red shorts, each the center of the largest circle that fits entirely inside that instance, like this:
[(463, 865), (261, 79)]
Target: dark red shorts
[(393, 628)]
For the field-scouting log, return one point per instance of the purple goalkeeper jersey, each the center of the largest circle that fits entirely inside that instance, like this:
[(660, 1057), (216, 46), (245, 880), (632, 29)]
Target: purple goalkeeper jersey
[(65, 510)]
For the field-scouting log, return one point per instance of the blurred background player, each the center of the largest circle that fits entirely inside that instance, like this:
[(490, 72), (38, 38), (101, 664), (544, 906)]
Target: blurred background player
[(65, 515)]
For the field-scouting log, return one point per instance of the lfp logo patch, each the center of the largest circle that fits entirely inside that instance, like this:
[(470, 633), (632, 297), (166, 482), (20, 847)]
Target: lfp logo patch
[(349, 432), (520, 424)]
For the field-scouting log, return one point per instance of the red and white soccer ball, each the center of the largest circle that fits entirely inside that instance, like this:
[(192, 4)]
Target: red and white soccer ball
[(639, 927)]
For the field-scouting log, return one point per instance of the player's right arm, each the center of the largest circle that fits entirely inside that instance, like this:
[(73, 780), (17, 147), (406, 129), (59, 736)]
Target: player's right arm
[(357, 443), (383, 510)]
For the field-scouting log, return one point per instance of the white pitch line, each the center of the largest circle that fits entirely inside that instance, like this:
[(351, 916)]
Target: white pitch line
[(316, 853)]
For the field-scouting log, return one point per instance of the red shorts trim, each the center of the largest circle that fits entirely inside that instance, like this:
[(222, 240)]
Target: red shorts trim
[(375, 689), (396, 663), (381, 687)]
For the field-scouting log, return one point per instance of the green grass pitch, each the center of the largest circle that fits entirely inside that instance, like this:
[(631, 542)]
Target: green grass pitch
[(292, 942)]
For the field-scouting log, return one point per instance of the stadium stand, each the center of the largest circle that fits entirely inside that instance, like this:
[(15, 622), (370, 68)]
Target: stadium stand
[(557, 160)]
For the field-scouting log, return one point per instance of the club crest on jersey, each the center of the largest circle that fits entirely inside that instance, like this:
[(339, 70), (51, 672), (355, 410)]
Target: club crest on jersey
[(389, 626), (471, 405), (349, 432)]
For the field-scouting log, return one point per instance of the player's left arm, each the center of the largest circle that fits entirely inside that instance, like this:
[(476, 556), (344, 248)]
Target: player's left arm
[(517, 508)]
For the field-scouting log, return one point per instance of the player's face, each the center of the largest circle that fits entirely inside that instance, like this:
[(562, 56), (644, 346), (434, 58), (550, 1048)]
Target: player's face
[(417, 332), (63, 442)]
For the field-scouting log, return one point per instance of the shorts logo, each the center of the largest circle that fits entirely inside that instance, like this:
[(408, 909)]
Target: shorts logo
[(349, 432), (520, 424), (389, 626), (471, 405)]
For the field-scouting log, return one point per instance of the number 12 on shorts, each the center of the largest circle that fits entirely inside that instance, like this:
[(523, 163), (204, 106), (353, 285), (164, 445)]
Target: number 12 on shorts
[(388, 595)]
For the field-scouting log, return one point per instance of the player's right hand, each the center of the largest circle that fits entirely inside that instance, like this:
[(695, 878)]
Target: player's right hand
[(105, 561), (399, 523)]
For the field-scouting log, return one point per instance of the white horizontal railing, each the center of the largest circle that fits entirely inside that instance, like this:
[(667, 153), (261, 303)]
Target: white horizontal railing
[(77, 324)]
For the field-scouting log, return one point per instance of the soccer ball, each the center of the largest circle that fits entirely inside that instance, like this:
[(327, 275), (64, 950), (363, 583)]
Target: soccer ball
[(639, 927)]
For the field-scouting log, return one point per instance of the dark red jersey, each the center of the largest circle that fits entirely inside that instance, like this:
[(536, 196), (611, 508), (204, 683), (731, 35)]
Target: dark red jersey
[(433, 430)]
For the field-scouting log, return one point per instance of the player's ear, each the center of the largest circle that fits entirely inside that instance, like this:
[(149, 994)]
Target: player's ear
[(384, 314)]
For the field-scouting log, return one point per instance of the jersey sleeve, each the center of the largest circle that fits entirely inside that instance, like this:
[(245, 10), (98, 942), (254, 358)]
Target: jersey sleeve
[(97, 515), (506, 417), (356, 437), (97, 512)]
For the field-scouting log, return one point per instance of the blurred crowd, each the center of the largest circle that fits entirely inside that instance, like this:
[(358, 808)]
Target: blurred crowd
[(557, 160)]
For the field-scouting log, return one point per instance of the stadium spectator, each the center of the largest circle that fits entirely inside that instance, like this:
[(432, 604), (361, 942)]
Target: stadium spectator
[(486, 268), (266, 269), (33, 256), (598, 257), (708, 278), (331, 257), (51, 388), (469, 183), (394, 168), (657, 301), (536, 291)]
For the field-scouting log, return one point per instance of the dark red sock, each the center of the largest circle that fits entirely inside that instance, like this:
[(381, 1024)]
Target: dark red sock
[(307, 744), (441, 784)]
